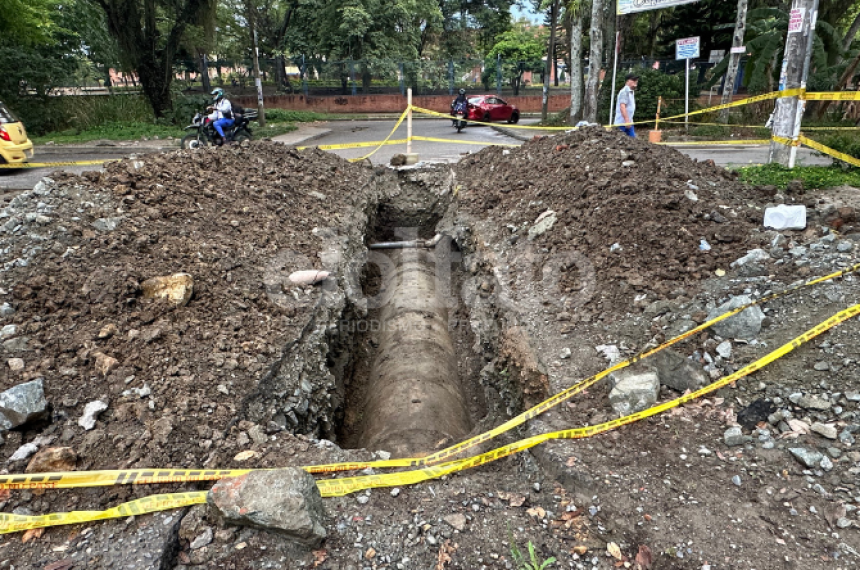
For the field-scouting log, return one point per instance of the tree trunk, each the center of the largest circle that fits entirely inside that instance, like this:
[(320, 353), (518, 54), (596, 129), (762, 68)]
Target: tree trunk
[(550, 60), (576, 67), (734, 59), (261, 111), (156, 87), (594, 61), (843, 81), (852, 33), (204, 73)]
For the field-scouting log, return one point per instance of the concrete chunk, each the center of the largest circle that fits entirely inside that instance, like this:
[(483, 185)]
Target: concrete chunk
[(634, 391), (745, 325), (22, 404)]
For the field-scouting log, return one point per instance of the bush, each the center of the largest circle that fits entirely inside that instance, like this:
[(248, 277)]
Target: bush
[(652, 85), (288, 116), (711, 131), (813, 177), (845, 142)]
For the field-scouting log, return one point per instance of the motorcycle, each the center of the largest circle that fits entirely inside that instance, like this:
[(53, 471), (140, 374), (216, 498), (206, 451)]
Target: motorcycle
[(460, 112), (206, 135)]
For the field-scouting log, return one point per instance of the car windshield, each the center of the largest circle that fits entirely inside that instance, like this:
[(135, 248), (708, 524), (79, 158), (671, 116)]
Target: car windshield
[(476, 100), (6, 116), (500, 102)]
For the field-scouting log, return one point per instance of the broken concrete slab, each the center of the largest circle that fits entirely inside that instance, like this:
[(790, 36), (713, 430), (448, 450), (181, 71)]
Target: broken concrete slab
[(634, 390), (677, 372), (23, 404), (745, 325), (283, 501)]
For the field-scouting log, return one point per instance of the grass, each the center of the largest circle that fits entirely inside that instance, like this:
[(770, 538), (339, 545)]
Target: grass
[(813, 177)]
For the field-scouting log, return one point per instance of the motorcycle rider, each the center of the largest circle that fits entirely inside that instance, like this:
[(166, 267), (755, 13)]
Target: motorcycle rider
[(460, 100), (222, 113)]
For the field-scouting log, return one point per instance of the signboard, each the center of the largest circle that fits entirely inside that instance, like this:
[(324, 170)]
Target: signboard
[(795, 20), (687, 48), (741, 50), (631, 6), (717, 55)]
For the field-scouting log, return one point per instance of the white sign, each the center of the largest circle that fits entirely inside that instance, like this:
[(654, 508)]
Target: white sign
[(717, 55), (795, 20), (631, 6), (687, 48), (741, 50)]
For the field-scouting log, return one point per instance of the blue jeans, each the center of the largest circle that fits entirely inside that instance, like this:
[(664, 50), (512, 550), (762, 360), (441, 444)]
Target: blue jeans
[(629, 131), (220, 124)]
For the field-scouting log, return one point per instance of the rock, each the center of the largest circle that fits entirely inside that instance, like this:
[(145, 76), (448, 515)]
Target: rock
[(308, 277), (844, 246), (105, 364), (176, 288), (677, 372), (610, 352), (825, 430), (53, 459), (24, 452), (457, 521), (813, 403), (22, 404), (15, 364), (752, 256), (106, 224), (809, 458), (16, 344), (139, 392), (745, 325), (784, 217), (91, 412), (283, 501), (821, 366), (757, 412), (542, 224), (6, 310), (398, 160), (734, 436), (202, 540), (108, 331), (736, 480), (8, 330), (794, 187), (724, 349), (565, 353), (634, 390)]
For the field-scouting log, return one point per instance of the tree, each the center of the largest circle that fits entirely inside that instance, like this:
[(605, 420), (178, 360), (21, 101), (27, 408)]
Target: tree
[(594, 61), (734, 58), (575, 11), (521, 50), (550, 55), (149, 34)]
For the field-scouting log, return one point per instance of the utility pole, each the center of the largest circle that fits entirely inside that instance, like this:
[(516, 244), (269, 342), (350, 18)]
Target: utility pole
[(550, 60), (261, 112), (795, 70), (594, 60), (734, 58)]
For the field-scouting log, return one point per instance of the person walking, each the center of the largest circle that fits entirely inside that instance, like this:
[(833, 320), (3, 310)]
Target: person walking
[(625, 106)]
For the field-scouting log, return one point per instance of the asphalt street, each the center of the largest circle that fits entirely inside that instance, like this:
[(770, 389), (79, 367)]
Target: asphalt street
[(455, 146)]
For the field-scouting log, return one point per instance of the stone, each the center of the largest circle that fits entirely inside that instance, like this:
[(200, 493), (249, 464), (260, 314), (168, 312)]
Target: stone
[(745, 325), (457, 521), (809, 458), (15, 364), (202, 540), (308, 277), (283, 501), (8, 330), (825, 430), (6, 310), (176, 288), (24, 452), (813, 403), (91, 413), (542, 224), (105, 364), (677, 372), (52, 459), (752, 256), (565, 353), (821, 366), (634, 390), (108, 331), (724, 349), (107, 224), (23, 404), (734, 436), (16, 344)]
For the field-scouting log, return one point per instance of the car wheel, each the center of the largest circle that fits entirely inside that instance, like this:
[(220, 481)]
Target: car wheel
[(515, 118), (486, 118)]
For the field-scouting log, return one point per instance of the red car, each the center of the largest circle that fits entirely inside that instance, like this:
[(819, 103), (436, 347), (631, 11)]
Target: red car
[(488, 108)]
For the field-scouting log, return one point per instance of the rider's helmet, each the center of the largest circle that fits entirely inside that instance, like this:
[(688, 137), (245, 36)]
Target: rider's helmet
[(217, 94), (462, 91)]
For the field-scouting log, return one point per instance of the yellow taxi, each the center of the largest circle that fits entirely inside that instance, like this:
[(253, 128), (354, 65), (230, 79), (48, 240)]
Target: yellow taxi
[(14, 144)]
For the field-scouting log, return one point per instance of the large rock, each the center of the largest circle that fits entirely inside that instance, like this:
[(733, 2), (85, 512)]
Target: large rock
[(52, 459), (745, 325), (283, 501), (677, 372), (22, 404), (176, 288), (634, 389)]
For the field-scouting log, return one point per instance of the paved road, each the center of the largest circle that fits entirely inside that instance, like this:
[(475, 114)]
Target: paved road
[(25, 178)]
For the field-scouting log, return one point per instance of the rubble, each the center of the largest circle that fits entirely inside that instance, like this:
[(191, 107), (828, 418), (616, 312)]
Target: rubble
[(23, 404)]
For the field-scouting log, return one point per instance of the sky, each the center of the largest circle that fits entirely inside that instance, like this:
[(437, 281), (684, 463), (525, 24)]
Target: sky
[(519, 12)]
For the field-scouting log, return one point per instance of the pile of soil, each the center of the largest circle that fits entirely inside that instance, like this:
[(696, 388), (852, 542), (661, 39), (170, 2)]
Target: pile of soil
[(76, 253), (637, 211)]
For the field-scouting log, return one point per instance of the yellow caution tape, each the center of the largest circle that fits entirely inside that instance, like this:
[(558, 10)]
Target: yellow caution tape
[(345, 486), (785, 141), (709, 143), (73, 479), (50, 164), (455, 141), (354, 145), (151, 504), (829, 151), (387, 139), (833, 96)]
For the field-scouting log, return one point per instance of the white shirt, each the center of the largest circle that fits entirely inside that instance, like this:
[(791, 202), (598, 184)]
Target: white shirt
[(626, 97), (223, 110)]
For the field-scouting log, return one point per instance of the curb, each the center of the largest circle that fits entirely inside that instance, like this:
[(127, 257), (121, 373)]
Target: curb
[(100, 150), (515, 134), (305, 140)]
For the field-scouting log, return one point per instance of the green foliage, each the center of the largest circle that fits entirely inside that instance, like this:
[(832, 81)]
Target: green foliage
[(652, 85), (533, 562), (287, 116), (845, 142), (521, 50), (111, 131), (711, 131), (813, 177)]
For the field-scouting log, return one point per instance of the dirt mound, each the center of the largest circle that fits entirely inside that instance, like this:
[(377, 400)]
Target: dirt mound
[(636, 210)]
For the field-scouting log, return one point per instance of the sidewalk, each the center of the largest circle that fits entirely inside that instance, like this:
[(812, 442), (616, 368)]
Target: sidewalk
[(303, 135), (104, 147)]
